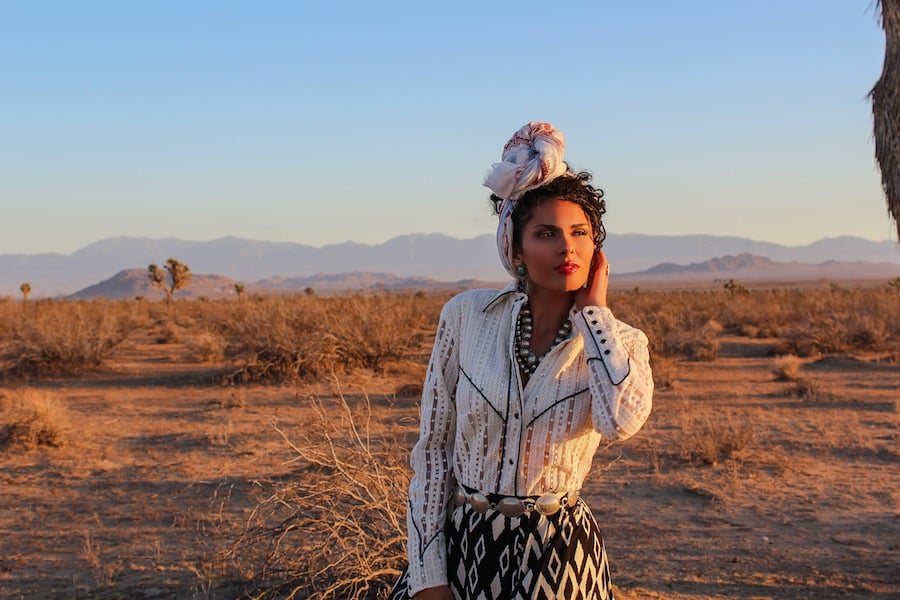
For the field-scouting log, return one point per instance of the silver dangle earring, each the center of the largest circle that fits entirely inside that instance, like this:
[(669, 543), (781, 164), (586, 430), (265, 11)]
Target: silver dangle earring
[(522, 279)]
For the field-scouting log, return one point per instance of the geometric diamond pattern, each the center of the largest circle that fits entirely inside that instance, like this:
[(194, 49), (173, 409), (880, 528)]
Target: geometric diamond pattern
[(532, 557)]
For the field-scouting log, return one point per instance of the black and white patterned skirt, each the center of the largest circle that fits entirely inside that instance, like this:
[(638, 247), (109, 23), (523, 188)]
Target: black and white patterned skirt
[(533, 557)]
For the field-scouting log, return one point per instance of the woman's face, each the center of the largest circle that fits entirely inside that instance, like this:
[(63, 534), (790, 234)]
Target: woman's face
[(557, 246)]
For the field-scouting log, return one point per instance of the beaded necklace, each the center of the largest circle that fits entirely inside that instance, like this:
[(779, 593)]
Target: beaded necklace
[(525, 356)]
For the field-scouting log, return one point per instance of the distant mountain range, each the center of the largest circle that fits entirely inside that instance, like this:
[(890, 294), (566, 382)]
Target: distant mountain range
[(134, 283), (749, 267), (430, 259)]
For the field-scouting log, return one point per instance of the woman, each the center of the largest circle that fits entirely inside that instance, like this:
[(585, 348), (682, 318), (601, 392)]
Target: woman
[(521, 387)]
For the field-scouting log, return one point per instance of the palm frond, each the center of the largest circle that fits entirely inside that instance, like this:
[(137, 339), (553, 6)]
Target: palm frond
[(886, 110)]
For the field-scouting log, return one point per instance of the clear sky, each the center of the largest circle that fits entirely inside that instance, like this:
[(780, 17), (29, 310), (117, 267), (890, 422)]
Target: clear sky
[(322, 122)]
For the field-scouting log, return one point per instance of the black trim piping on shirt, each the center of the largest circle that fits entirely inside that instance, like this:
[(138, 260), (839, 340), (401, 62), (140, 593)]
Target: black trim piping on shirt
[(538, 416), (608, 374), (496, 298), (481, 393), (423, 548)]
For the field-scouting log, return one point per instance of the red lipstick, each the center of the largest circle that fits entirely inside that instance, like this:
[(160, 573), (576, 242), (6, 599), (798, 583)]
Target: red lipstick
[(567, 268)]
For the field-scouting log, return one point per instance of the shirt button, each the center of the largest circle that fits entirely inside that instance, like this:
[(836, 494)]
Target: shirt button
[(516, 416), (603, 341), (510, 461), (606, 352)]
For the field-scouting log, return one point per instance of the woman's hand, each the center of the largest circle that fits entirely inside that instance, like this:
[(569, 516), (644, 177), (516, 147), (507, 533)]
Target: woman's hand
[(594, 291), (434, 593)]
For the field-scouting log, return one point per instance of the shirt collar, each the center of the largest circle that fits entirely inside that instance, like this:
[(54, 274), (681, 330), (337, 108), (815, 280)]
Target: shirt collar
[(510, 290)]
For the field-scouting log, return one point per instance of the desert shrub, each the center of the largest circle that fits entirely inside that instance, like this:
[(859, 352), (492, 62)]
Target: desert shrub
[(371, 330), (665, 372), (759, 314), (702, 343), (710, 440), (207, 346), (276, 338), (30, 418), (336, 529), (681, 331), (787, 368), (66, 338), (300, 336), (235, 397), (681, 324), (870, 331), (838, 320), (809, 389), (750, 331), (168, 333), (8, 311)]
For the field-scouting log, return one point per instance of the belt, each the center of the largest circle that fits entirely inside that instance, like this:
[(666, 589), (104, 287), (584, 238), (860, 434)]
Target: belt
[(515, 506)]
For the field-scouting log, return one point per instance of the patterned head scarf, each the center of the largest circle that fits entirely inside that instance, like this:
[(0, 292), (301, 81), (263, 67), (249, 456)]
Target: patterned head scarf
[(530, 159)]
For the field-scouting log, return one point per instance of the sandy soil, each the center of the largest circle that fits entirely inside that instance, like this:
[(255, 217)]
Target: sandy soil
[(157, 461)]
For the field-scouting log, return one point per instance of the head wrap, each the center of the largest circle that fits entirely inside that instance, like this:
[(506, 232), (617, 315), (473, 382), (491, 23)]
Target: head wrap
[(530, 159)]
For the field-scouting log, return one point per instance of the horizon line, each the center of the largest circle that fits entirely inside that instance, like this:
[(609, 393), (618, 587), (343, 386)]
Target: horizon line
[(436, 233)]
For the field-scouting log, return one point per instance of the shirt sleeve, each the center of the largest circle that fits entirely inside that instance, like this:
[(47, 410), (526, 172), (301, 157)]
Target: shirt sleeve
[(621, 382), (432, 459)]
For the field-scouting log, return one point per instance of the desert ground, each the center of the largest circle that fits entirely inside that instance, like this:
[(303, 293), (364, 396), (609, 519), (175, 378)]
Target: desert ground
[(754, 478)]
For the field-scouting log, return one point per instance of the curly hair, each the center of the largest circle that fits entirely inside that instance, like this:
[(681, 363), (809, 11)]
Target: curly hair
[(572, 187)]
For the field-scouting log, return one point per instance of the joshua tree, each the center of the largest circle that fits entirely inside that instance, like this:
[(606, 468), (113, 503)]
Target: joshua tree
[(179, 274), (735, 288), (25, 289), (886, 109), (239, 289)]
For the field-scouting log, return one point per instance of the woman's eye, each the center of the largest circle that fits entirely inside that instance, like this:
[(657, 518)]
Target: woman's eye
[(545, 235), (579, 232)]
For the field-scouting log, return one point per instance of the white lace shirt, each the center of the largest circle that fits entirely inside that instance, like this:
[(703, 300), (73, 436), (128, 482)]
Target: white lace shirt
[(480, 427)]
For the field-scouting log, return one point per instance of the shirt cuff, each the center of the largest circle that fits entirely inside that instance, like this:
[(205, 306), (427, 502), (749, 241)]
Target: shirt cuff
[(430, 569), (599, 328)]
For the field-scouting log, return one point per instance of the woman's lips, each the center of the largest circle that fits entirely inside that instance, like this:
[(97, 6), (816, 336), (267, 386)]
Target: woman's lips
[(567, 268)]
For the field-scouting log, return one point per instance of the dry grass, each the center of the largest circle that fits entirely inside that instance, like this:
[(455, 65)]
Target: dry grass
[(207, 346), (30, 418), (665, 372), (307, 336), (336, 528), (810, 389), (9, 308), (65, 338), (685, 325), (787, 368), (103, 569), (710, 440)]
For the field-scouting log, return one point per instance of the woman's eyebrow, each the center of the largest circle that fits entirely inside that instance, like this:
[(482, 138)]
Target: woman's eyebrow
[(555, 226)]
